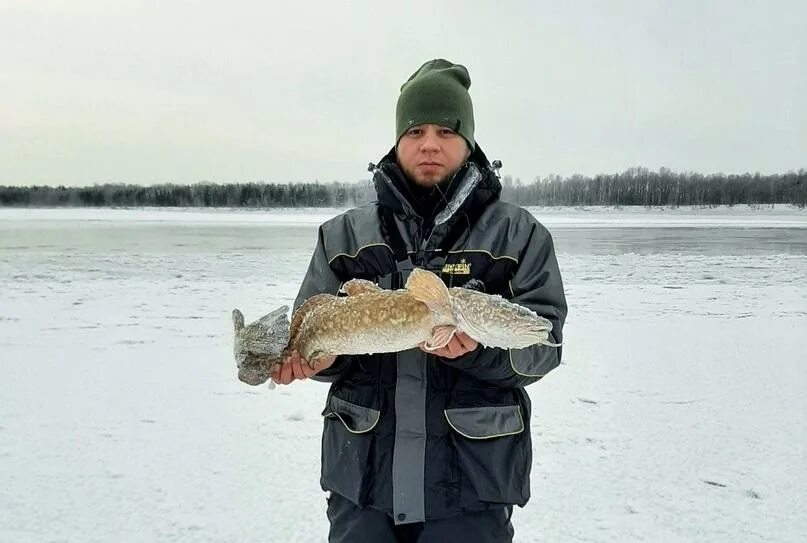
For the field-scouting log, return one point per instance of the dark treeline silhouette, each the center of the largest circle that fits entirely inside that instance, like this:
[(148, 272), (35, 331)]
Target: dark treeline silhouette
[(197, 195), (634, 187), (643, 187)]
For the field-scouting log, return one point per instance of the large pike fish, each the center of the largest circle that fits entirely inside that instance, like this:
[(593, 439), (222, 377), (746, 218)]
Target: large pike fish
[(373, 320)]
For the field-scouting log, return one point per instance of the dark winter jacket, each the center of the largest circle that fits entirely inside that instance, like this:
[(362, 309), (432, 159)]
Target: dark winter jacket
[(415, 435)]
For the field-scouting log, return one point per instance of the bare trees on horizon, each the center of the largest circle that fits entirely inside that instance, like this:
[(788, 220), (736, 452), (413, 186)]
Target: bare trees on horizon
[(634, 187)]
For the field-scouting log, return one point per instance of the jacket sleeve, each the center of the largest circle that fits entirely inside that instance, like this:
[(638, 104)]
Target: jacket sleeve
[(536, 285), (319, 279)]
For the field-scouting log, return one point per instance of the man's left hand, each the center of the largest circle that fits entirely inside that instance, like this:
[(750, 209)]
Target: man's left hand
[(459, 345)]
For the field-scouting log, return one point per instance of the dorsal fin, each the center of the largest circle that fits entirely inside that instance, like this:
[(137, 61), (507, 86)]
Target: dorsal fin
[(302, 311), (426, 287), (359, 286)]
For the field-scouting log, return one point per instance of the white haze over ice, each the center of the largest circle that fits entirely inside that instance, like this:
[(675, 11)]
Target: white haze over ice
[(678, 414)]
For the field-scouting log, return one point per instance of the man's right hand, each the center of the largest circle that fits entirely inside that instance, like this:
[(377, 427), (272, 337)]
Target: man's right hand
[(294, 367)]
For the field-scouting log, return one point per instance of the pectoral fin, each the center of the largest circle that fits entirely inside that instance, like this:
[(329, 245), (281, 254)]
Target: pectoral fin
[(441, 335), (426, 287)]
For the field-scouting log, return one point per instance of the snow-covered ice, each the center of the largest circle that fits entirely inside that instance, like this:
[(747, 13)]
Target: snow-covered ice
[(678, 414)]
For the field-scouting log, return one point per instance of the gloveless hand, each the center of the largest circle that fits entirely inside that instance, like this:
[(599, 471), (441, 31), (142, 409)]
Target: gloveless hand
[(460, 344), (295, 367)]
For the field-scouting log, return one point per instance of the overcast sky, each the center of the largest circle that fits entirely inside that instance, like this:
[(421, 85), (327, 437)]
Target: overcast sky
[(146, 92)]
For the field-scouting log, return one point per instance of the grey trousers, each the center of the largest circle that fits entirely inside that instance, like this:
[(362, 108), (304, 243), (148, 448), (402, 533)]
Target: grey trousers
[(350, 524)]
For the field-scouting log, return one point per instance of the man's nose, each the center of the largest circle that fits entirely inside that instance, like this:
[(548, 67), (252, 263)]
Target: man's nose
[(430, 143)]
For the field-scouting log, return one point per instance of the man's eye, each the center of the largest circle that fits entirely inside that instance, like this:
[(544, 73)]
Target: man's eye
[(414, 132), (447, 132)]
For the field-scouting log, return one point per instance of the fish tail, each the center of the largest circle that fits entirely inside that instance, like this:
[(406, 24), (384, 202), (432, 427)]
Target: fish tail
[(270, 318), (426, 287), (238, 320)]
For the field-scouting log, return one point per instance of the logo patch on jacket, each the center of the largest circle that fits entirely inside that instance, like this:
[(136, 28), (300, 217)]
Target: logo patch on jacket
[(459, 268)]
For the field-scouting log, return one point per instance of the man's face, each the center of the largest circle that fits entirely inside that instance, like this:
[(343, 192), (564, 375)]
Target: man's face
[(429, 154)]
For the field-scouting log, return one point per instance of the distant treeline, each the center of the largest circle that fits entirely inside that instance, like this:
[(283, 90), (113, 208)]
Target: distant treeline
[(634, 187), (643, 187), (197, 195)]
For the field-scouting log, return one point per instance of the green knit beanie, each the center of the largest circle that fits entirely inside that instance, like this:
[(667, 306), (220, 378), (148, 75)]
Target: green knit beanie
[(437, 94)]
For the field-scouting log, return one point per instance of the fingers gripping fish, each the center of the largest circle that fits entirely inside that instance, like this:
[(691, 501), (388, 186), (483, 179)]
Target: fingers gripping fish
[(373, 320)]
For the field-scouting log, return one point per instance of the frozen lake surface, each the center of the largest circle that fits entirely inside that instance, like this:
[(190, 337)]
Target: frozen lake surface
[(678, 414)]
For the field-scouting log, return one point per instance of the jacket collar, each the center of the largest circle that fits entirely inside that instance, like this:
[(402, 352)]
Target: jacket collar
[(474, 186)]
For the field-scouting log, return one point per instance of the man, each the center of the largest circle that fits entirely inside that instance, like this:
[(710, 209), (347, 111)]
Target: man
[(432, 446)]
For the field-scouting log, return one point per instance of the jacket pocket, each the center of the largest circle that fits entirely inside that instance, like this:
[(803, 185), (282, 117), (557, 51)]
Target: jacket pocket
[(347, 440), (356, 418), (493, 451)]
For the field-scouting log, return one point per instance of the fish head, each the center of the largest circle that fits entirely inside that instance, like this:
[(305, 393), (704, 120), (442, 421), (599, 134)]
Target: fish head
[(495, 322)]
